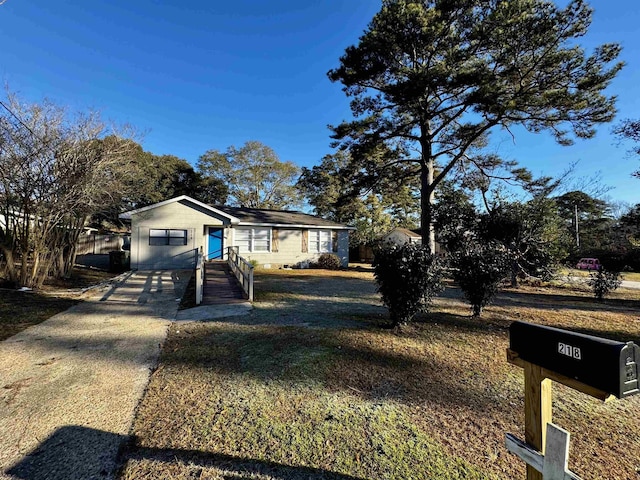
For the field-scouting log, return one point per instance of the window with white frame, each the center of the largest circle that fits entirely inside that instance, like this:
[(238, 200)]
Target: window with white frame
[(167, 237), (320, 241), (254, 240)]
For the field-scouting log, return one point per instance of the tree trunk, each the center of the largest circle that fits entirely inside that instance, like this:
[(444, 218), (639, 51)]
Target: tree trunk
[(427, 167), (10, 266), (426, 207), (24, 267), (70, 247), (514, 274)]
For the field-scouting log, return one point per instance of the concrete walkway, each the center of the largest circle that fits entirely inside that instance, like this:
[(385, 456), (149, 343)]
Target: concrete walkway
[(69, 386), (206, 313), (630, 284), (624, 284)]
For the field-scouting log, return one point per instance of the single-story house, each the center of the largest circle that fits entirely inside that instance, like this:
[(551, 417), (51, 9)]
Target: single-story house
[(400, 236), (170, 234)]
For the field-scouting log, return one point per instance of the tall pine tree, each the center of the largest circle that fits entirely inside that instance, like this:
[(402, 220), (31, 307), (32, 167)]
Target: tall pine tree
[(429, 79)]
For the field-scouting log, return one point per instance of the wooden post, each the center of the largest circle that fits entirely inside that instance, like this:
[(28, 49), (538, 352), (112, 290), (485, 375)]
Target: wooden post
[(556, 459), (537, 411), (554, 464)]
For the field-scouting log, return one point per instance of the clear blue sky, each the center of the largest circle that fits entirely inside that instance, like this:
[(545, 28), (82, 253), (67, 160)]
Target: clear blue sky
[(198, 75)]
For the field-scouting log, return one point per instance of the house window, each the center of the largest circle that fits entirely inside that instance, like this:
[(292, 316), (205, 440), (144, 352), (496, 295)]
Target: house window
[(167, 237), (253, 240), (320, 241)]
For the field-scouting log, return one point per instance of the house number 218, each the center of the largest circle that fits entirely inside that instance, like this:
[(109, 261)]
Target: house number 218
[(569, 351)]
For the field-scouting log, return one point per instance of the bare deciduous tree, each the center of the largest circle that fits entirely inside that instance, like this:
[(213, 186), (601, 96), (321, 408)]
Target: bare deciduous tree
[(56, 170)]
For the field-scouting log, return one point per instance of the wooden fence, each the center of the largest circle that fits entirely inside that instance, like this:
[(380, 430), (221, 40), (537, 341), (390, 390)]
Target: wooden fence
[(97, 244)]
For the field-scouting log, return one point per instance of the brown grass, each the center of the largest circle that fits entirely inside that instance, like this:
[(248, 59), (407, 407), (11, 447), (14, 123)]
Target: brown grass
[(81, 277), (262, 400), (20, 310)]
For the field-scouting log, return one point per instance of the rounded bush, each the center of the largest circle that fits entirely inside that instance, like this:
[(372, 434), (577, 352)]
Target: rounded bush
[(409, 278), (329, 261), (479, 269)]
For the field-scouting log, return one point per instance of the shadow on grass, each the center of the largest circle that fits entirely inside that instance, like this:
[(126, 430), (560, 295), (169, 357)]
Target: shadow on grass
[(375, 365), (466, 323), (71, 452), (310, 281), (20, 310), (544, 302), (141, 297), (82, 453), (617, 335), (563, 302), (234, 467)]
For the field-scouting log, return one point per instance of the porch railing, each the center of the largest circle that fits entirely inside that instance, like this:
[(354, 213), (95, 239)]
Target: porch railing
[(199, 276), (243, 271)]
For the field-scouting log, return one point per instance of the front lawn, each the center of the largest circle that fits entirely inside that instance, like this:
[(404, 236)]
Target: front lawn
[(273, 396), (22, 309)]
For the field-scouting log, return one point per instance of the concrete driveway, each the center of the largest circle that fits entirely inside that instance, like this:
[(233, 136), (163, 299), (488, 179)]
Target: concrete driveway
[(69, 386)]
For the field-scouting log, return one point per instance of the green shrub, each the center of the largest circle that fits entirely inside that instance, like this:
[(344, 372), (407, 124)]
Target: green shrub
[(479, 270), (328, 261), (604, 282), (408, 277)]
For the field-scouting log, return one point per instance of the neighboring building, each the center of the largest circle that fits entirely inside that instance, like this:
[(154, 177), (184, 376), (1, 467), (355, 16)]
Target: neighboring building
[(400, 236), (169, 234)]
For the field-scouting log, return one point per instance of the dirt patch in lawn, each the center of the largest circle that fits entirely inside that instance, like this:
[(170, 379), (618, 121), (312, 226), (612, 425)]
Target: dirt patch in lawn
[(280, 401)]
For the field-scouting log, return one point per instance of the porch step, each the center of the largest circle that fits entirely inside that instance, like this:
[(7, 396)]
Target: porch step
[(220, 285)]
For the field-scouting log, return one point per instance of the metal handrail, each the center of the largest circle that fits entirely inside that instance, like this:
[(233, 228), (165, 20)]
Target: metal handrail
[(242, 269)]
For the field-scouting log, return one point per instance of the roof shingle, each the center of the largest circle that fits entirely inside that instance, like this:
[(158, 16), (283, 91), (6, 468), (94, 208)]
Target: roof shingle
[(276, 217)]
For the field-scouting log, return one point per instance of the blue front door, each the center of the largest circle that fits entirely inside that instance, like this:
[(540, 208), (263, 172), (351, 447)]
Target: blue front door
[(215, 244)]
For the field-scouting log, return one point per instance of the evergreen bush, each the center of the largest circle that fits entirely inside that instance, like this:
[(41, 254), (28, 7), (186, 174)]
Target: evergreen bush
[(328, 261), (604, 282), (409, 277), (479, 269)]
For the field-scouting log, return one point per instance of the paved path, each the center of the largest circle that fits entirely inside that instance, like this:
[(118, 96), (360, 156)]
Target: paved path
[(630, 284), (624, 284), (69, 386)]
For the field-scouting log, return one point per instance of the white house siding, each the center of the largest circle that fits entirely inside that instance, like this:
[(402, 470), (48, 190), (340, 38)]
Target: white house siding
[(174, 216), (290, 249), (343, 247), (400, 238)]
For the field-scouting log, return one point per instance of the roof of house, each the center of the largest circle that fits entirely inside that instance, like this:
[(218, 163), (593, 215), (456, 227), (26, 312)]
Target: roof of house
[(250, 216), (405, 231), (290, 218), (184, 199)]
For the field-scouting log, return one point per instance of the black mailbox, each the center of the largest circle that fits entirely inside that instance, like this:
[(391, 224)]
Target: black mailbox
[(604, 364)]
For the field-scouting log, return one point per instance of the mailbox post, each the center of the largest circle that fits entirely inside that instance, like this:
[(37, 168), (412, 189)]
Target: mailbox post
[(602, 368)]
